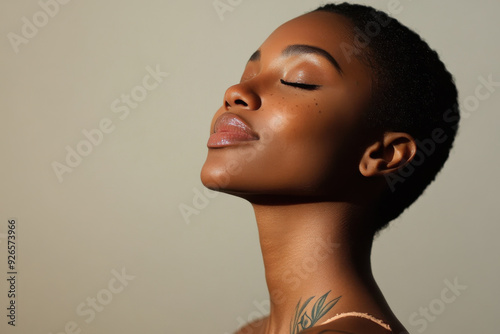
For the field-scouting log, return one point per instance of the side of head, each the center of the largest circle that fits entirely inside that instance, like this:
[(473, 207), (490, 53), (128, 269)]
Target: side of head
[(342, 104), (413, 93)]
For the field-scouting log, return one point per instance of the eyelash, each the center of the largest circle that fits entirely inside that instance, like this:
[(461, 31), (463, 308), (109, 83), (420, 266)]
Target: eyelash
[(299, 85)]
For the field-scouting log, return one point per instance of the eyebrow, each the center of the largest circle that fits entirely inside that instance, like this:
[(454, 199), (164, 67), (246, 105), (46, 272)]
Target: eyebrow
[(298, 49)]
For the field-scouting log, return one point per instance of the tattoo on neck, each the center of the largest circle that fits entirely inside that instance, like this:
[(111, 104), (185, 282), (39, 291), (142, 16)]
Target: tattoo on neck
[(302, 320)]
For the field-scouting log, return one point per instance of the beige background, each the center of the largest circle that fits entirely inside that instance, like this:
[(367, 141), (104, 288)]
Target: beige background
[(119, 208)]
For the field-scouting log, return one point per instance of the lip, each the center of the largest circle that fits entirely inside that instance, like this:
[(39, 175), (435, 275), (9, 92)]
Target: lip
[(230, 129)]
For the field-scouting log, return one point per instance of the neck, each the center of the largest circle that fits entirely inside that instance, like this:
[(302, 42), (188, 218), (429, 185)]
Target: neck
[(310, 249)]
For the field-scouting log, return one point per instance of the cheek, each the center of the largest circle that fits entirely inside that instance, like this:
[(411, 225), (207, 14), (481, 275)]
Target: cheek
[(300, 151), (308, 159), (314, 148)]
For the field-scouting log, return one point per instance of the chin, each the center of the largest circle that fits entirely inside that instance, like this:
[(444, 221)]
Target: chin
[(223, 177), (212, 179), (264, 174), (255, 189)]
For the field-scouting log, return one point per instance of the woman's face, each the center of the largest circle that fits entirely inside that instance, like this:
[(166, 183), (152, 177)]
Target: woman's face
[(293, 124)]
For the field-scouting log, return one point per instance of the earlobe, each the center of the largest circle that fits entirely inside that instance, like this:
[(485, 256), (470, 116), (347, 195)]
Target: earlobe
[(388, 154)]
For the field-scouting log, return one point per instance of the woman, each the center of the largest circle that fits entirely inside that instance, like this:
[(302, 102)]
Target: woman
[(341, 119)]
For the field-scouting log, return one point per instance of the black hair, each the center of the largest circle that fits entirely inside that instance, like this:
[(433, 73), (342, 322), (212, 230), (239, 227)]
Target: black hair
[(413, 93)]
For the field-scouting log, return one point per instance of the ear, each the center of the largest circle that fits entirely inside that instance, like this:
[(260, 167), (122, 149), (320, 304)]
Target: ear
[(393, 151)]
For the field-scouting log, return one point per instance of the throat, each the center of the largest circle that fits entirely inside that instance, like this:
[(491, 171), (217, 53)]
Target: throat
[(313, 256)]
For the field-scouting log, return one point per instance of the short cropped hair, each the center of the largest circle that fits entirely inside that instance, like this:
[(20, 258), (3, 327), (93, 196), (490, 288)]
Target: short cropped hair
[(413, 93)]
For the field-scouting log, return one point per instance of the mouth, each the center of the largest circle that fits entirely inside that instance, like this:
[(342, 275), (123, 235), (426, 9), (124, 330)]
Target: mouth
[(230, 129)]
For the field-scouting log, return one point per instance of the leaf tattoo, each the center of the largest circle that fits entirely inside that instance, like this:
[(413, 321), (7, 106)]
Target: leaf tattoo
[(302, 320)]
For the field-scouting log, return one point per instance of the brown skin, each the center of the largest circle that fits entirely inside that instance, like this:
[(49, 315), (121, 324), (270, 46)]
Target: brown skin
[(313, 175)]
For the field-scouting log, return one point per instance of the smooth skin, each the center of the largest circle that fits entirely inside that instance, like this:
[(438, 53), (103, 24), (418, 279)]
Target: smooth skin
[(313, 175)]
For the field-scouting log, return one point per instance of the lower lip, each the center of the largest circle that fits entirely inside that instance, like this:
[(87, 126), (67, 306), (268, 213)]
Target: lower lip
[(222, 139)]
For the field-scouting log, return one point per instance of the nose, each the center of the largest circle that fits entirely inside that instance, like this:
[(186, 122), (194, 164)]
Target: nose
[(241, 96)]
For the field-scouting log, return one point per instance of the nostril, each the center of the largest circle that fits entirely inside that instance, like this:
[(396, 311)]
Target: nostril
[(238, 101)]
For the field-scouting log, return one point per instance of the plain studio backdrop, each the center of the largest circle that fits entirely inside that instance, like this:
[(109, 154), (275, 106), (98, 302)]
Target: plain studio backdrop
[(105, 113)]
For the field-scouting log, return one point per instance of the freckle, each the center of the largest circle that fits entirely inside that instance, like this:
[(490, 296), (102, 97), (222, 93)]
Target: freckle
[(319, 111)]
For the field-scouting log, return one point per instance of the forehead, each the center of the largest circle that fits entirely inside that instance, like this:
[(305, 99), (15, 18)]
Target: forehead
[(329, 31), (319, 25), (325, 30)]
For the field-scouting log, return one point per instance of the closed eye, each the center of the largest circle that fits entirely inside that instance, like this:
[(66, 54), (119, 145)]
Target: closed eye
[(300, 85)]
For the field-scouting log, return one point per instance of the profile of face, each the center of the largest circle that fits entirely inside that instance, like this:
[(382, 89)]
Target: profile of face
[(293, 124)]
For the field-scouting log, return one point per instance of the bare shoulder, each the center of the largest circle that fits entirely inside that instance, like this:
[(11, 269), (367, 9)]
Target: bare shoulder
[(350, 325), (254, 327)]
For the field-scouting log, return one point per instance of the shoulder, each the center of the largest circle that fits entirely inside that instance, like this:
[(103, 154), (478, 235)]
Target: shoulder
[(349, 325)]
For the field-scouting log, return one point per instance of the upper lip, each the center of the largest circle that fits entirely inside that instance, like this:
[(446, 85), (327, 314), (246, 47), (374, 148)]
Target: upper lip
[(229, 122)]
